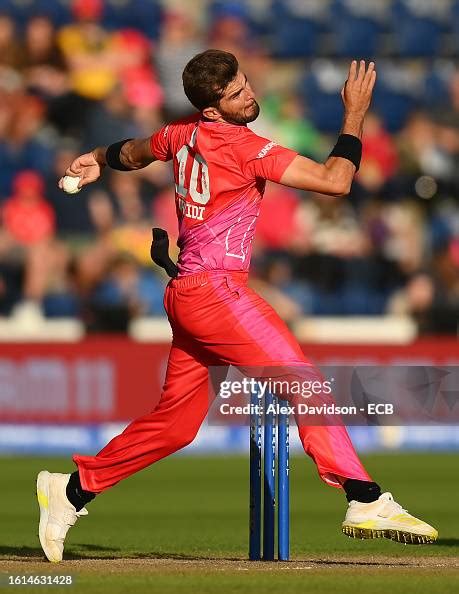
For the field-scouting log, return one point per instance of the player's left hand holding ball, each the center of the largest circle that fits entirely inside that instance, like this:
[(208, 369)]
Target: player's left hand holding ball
[(86, 168)]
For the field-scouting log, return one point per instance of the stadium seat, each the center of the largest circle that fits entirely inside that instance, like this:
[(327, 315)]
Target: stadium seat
[(397, 93), (393, 106), (21, 10), (454, 22), (143, 15), (320, 89), (418, 27), (257, 17), (218, 8), (357, 26), (435, 92), (296, 27)]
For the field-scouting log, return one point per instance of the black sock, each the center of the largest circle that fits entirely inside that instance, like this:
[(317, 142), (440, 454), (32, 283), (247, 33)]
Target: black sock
[(363, 491), (77, 496)]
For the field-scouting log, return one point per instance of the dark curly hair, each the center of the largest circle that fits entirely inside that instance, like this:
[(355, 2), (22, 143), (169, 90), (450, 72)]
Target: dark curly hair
[(207, 75)]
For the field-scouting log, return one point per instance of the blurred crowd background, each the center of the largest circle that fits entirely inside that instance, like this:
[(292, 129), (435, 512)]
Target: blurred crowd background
[(75, 74)]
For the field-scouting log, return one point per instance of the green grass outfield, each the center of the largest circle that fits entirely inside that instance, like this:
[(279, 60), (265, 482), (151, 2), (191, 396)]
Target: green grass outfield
[(181, 526)]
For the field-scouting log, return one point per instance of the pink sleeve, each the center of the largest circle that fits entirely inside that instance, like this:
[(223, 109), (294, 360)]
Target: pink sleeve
[(160, 144), (265, 159)]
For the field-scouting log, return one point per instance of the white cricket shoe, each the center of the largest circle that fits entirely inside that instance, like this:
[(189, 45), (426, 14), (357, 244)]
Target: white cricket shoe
[(57, 514), (385, 518)]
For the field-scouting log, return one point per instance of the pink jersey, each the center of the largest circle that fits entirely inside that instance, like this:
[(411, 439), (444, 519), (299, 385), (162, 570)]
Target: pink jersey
[(220, 172)]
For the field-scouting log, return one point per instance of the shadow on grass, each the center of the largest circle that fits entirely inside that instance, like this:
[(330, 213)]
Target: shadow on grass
[(72, 554), (448, 542), (80, 551), (358, 562), (28, 554), (179, 556)]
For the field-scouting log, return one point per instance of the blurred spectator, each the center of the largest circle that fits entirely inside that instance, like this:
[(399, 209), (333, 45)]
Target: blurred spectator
[(415, 298), (27, 216), (137, 76), (444, 313), (10, 47), (11, 281), (404, 242), (28, 237), (417, 149), (71, 210), (133, 50), (454, 92), (391, 246), (89, 51), (22, 146), (132, 234), (178, 43), (334, 227), (338, 262), (279, 224), (289, 126), (379, 157), (146, 103), (163, 211), (274, 280), (108, 121), (40, 50), (230, 30), (93, 259), (63, 299), (433, 299), (127, 292)]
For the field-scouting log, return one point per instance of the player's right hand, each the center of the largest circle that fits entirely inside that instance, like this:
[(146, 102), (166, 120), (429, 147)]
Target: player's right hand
[(358, 88), (85, 166)]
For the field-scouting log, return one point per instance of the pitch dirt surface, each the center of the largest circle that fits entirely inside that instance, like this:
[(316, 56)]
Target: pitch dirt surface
[(377, 574), (181, 528), (172, 565)]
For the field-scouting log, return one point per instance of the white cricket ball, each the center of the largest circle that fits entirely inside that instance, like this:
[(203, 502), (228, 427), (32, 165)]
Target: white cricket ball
[(70, 184)]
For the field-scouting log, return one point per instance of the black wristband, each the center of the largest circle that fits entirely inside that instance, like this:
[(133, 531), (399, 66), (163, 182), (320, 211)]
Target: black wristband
[(348, 147), (112, 155)]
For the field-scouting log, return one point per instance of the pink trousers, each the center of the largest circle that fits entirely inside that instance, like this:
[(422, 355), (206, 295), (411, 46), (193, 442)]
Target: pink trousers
[(216, 319)]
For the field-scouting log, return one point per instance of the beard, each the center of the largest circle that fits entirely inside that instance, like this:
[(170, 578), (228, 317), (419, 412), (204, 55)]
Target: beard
[(242, 117)]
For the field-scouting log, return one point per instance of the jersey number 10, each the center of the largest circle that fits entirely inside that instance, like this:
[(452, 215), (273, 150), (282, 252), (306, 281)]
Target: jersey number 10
[(199, 169)]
